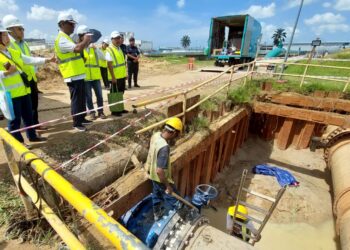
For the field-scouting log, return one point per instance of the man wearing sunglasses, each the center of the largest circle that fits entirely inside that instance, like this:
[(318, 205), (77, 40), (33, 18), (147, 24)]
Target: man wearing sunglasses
[(72, 67)]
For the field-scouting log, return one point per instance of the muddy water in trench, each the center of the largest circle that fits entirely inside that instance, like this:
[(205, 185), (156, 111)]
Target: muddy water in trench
[(295, 236)]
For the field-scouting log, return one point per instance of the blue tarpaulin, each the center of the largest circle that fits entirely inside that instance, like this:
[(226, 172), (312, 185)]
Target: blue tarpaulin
[(283, 176)]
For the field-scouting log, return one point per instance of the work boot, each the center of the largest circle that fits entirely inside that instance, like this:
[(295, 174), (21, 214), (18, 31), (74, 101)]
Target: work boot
[(92, 116), (102, 116)]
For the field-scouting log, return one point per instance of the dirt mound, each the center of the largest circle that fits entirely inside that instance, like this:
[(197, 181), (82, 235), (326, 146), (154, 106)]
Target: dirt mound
[(309, 203)]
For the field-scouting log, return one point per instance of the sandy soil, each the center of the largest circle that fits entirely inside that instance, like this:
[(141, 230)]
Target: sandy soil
[(304, 213)]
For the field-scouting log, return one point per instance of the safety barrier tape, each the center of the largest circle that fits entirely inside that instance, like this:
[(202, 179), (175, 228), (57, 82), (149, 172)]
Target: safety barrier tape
[(110, 137), (123, 129), (131, 99)]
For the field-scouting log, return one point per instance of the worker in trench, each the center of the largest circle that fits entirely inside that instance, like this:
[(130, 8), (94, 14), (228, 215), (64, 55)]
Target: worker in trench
[(241, 231), (159, 167)]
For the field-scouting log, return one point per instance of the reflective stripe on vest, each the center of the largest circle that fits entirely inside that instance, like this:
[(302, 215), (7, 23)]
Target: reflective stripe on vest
[(70, 64), (13, 83), (119, 68), (93, 71), (157, 142), (28, 69)]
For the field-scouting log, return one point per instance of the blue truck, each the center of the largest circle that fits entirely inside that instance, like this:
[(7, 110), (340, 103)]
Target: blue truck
[(233, 39)]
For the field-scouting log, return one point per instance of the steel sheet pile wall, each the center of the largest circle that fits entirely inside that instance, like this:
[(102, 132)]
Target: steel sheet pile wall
[(198, 164)]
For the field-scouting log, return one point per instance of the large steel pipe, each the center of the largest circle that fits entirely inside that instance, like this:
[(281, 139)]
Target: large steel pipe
[(338, 159)]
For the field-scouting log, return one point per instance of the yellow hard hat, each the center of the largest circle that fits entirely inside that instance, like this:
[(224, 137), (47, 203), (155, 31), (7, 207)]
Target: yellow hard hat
[(174, 123), (242, 209)]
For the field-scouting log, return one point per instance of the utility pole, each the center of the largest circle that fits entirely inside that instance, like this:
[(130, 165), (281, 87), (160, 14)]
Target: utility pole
[(292, 37)]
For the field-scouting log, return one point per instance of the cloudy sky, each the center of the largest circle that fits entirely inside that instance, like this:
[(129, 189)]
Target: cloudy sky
[(165, 21)]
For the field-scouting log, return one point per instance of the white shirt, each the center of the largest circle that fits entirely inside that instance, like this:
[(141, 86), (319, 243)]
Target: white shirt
[(67, 46), (109, 57)]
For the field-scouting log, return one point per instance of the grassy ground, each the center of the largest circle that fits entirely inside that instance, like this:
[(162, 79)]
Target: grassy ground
[(182, 60), (318, 71), (344, 54)]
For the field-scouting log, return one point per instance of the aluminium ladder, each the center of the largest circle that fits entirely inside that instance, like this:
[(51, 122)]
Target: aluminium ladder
[(266, 213)]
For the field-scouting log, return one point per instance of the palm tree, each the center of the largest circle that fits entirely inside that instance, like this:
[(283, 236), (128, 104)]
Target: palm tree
[(279, 36), (185, 41)]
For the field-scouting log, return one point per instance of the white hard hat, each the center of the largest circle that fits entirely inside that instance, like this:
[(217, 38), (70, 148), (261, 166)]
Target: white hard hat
[(105, 41), (115, 34), (10, 21), (83, 29), (65, 17), (2, 29)]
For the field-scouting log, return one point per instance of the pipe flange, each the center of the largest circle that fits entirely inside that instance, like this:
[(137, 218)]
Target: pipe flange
[(332, 139)]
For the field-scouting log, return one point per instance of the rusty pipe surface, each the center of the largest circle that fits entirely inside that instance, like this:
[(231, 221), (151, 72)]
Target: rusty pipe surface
[(337, 156)]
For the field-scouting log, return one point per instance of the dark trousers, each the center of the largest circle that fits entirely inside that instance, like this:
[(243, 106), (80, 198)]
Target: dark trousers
[(22, 107), (96, 86), (34, 95), (133, 70), (119, 87), (159, 196), (104, 74), (78, 100)]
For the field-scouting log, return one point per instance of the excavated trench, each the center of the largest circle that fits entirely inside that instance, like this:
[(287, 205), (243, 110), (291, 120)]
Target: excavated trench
[(241, 139)]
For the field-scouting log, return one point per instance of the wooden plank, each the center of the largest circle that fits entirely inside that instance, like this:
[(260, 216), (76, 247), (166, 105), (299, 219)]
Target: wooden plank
[(313, 102), (184, 178), (198, 169), (284, 137), (305, 135), (177, 108), (127, 201), (238, 133), (227, 146), (302, 114), (298, 126), (209, 163), (218, 158)]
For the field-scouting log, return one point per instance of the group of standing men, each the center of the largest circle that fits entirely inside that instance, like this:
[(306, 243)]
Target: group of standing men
[(82, 66)]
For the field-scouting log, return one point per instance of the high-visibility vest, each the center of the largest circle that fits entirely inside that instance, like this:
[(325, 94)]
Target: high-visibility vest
[(28, 69), (157, 142), (13, 83), (92, 66), (119, 68), (103, 63), (70, 64)]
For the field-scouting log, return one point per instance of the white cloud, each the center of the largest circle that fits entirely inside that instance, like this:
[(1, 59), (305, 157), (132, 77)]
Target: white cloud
[(37, 34), (259, 11), (296, 3), (327, 4), (267, 31), (8, 5), (326, 18), (331, 28), (327, 23), (43, 13), (342, 5), (180, 3)]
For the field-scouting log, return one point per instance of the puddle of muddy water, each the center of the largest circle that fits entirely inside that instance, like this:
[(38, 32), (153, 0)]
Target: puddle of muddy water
[(285, 236)]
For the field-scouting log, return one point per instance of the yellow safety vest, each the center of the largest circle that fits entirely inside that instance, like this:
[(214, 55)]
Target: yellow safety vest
[(119, 68), (93, 71), (103, 63), (157, 142), (70, 64), (28, 69), (13, 83)]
